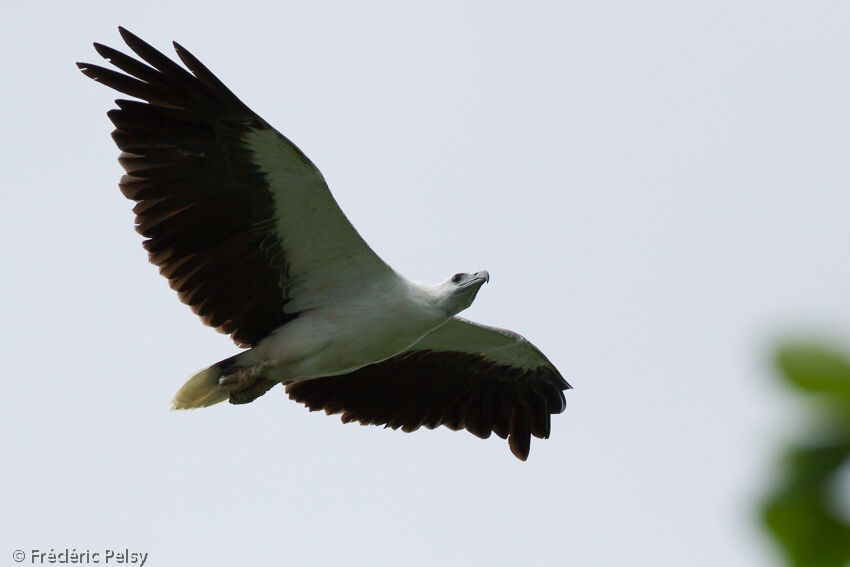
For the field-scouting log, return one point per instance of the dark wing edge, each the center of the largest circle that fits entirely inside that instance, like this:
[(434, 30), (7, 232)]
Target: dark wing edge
[(203, 206), (456, 389)]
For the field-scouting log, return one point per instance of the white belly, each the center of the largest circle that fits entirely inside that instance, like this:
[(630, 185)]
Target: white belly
[(325, 342)]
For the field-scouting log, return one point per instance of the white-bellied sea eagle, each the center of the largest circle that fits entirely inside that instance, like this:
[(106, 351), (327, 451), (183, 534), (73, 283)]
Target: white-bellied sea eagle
[(246, 231)]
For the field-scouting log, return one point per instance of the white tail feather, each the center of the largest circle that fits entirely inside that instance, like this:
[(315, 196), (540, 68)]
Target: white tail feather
[(200, 391)]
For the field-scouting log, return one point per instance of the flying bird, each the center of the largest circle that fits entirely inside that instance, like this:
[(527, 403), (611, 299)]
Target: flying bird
[(245, 229)]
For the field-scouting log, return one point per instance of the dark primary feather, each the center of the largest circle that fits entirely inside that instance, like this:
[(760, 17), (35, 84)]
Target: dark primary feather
[(203, 206), (458, 390)]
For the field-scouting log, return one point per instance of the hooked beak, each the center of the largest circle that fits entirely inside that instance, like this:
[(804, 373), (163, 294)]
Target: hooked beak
[(482, 275)]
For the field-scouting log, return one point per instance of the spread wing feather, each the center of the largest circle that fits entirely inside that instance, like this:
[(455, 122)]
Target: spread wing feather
[(461, 375), (234, 215)]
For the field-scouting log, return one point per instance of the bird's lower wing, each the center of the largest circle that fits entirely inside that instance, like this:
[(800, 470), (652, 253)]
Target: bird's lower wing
[(462, 375)]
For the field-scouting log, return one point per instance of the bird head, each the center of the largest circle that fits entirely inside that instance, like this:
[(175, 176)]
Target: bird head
[(460, 290)]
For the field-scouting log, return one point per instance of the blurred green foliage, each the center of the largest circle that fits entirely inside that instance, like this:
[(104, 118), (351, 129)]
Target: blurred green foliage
[(803, 510)]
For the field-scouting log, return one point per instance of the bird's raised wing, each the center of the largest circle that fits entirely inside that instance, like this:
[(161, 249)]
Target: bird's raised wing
[(461, 375), (236, 217)]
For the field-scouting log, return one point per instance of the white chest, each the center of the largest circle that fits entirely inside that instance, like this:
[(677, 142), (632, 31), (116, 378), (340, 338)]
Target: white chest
[(357, 331)]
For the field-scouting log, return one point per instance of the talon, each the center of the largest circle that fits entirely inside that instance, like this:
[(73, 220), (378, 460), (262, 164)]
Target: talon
[(252, 392), (240, 378)]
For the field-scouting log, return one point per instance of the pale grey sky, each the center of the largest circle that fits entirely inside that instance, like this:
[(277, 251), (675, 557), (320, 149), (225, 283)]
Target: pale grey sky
[(658, 191)]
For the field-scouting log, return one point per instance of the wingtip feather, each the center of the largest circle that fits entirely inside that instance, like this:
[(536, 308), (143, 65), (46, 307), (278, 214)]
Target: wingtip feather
[(101, 49), (517, 449)]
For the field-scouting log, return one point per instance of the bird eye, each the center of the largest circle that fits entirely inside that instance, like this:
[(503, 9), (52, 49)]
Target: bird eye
[(456, 278)]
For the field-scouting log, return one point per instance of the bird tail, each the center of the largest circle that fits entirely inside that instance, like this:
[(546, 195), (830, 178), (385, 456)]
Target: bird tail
[(201, 390)]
